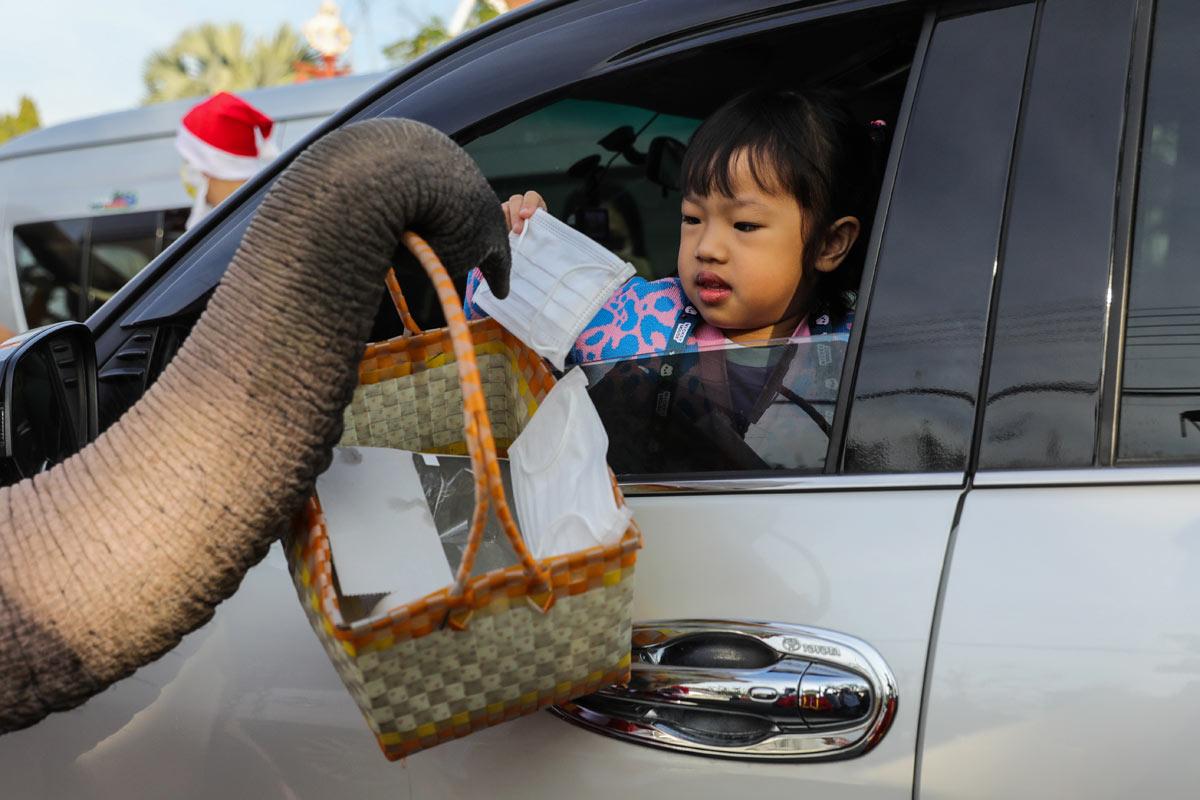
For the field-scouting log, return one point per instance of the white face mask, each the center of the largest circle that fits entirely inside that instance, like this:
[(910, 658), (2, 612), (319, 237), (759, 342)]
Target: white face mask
[(196, 184), (560, 279), (561, 483)]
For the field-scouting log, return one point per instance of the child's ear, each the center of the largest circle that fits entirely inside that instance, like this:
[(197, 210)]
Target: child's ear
[(839, 238)]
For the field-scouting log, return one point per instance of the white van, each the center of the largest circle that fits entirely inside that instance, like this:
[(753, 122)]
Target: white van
[(86, 204)]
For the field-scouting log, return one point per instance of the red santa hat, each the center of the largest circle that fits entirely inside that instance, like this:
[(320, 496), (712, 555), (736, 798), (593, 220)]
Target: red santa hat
[(225, 137)]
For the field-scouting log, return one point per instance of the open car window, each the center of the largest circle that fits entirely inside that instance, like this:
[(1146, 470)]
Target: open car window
[(607, 157)]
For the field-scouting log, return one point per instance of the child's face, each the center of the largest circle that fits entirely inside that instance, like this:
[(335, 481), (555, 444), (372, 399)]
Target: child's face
[(741, 259)]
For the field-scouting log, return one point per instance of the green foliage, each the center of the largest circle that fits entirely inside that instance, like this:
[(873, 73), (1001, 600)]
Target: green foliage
[(26, 119), (212, 58), (433, 34)]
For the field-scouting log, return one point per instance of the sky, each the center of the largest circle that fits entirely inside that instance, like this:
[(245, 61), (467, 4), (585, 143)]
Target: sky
[(77, 58)]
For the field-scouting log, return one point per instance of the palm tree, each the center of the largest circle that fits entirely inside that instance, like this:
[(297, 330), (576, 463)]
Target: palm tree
[(212, 58), (26, 119), (436, 32)]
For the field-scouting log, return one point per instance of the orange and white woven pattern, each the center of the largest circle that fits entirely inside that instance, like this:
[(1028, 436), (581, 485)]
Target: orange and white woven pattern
[(419, 684), (490, 647), (421, 409)]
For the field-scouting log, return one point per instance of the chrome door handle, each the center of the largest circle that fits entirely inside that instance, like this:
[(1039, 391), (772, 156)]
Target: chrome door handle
[(746, 690)]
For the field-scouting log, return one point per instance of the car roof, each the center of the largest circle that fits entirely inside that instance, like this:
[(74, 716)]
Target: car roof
[(281, 103)]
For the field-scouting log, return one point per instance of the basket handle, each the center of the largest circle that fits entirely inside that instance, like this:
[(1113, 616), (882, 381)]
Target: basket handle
[(411, 326), (481, 445)]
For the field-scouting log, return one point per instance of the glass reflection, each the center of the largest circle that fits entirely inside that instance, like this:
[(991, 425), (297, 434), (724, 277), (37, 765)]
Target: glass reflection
[(1160, 401), (732, 408)]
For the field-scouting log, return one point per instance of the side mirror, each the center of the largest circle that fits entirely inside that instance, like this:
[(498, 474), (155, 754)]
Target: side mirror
[(49, 398), (664, 162)]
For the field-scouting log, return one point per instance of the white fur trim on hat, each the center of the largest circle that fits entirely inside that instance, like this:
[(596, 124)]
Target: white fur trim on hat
[(213, 161)]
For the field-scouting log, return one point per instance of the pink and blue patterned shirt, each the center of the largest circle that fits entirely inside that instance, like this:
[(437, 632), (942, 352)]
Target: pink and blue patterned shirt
[(637, 321)]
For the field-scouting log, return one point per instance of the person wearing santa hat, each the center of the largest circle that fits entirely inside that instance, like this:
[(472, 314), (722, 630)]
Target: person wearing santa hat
[(223, 141)]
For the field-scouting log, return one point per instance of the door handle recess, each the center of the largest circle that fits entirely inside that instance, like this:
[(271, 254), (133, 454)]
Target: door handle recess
[(751, 690)]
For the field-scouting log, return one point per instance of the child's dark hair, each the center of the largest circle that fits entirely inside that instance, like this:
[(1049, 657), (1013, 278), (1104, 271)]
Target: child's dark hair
[(806, 145)]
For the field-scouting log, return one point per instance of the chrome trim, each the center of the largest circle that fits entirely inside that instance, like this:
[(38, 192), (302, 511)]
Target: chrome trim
[(796, 483), (816, 671), (1092, 476)]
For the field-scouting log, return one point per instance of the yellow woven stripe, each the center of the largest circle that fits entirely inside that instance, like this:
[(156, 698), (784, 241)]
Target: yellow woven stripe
[(382, 642), (612, 578)]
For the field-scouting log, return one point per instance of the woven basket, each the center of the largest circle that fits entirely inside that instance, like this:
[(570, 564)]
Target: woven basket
[(491, 647)]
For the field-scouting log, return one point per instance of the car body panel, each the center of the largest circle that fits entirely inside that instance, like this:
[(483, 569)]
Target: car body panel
[(250, 706), (1067, 657)]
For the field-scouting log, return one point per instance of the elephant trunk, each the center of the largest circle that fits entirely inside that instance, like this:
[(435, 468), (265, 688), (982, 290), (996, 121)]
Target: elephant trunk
[(109, 558)]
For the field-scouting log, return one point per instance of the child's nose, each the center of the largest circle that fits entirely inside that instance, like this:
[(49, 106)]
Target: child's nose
[(709, 246)]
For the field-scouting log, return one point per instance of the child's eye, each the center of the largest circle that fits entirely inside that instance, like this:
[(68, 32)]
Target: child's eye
[(746, 227), (690, 220)]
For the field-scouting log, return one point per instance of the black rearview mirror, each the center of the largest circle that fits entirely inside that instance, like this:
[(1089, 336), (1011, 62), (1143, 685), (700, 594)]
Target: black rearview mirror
[(49, 398)]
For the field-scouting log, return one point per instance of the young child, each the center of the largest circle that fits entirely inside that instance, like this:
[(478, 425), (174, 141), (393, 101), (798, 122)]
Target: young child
[(775, 187)]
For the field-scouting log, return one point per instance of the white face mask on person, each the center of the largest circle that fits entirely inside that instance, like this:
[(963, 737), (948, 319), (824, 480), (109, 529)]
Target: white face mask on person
[(195, 183), (561, 483), (559, 280)]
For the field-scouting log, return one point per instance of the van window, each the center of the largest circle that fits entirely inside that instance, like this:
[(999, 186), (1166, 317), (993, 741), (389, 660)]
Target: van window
[(118, 248), (69, 268), (48, 258), (607, 160), (1160, 398)]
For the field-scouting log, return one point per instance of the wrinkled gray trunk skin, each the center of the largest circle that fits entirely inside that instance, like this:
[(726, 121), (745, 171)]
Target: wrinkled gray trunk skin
[(108, 559)]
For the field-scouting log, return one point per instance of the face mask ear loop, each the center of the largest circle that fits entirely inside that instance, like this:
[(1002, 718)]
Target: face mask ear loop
[(521, 235), (562, 442)]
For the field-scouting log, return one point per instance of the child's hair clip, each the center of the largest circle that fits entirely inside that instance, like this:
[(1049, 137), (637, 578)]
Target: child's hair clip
[(877, 132)]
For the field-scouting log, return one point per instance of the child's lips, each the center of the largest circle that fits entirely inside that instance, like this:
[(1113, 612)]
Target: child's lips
[(711, 288)]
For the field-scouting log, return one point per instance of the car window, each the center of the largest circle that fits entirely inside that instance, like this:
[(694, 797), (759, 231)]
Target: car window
[(607, 158), (1054, 266), (764, 407), (1160, 397), (917, 382)]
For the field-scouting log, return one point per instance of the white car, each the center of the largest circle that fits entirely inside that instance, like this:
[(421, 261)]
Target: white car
[(995, 547)]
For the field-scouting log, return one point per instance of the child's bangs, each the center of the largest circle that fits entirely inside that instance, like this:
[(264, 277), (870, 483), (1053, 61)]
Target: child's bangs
[(709, 165)]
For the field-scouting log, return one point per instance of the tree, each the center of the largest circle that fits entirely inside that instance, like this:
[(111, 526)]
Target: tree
[(212, 58), (26, 119), (433, 33)]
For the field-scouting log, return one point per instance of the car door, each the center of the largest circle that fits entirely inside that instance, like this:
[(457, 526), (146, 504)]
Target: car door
[(248, 706), (855, 548), (1065, 654)]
